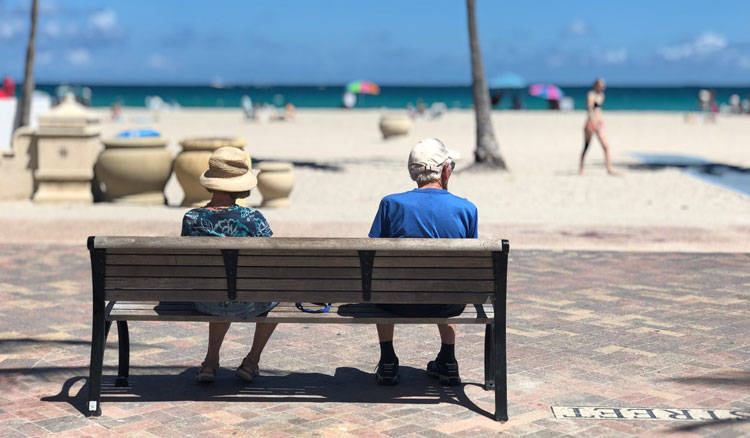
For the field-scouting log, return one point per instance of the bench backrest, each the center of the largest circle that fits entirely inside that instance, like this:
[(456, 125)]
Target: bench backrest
[(299, 269)]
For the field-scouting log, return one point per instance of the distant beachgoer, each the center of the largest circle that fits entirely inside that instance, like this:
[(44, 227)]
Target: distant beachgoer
[(290, 111), (712, 105), (496, 98), (595, 123), (229, 177), (517, 102), (247, 107), (734, 104), (116, 112), (703, 96), (348, 100), (9, 87)]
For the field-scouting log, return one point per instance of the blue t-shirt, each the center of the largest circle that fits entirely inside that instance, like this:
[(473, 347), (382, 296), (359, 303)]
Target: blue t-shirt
[(435, 213)]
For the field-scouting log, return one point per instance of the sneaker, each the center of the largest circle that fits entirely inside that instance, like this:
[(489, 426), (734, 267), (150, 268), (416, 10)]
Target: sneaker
[(387, 373), (446, 373)]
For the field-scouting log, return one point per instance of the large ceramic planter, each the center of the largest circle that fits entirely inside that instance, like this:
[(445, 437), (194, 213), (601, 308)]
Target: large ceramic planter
[(275, 183), (134, 170), (192, 162), (394, 124)]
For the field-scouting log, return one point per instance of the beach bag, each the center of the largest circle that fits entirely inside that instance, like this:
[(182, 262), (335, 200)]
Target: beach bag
[(325, 307)]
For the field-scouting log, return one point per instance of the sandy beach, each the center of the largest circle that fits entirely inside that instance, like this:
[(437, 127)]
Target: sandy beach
[(343, 168)]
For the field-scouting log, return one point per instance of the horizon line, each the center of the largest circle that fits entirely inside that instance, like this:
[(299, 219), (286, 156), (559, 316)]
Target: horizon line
[(343, 84)]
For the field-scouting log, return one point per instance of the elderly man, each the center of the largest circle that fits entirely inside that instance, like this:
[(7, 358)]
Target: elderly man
[(428, 211)]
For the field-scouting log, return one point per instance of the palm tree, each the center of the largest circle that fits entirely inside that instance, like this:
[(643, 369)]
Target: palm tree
[(487, 153), (23, 108)]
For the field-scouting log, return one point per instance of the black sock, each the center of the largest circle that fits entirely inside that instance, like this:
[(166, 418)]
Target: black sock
[(447, 353), (387, 355)]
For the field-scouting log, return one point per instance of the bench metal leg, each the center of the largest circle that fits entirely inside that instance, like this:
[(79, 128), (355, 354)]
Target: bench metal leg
[(501, 382), (489, 359), (123, 366), (98, 340)]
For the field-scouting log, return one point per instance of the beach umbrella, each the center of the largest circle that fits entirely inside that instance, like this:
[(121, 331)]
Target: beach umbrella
[(546, 91), (508, 80), (363, 87)]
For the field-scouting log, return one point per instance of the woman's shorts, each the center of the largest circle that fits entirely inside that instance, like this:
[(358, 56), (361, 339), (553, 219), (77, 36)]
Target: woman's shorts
[(235, 310)]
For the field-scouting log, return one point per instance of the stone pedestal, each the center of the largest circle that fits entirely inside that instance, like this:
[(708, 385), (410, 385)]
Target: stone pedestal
[(67, 146), (275, 183), (134, 170), (192, 162), (394, 124)]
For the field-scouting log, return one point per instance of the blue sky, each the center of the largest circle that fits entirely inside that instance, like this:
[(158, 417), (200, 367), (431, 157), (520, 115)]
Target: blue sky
[(387, 41)]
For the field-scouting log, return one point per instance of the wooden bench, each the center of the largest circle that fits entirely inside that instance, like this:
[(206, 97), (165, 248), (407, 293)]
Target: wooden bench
[(157, 279)]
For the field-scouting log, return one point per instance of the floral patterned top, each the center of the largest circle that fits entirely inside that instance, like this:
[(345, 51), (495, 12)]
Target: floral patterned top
[(234, 221)]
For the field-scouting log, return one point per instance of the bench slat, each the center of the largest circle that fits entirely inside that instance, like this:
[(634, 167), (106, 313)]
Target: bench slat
[(218, 260), (263, 284), (432, 262), (286, 312), (242, 272), (294, 296), (433, 285), (432, 273), (296, 243)]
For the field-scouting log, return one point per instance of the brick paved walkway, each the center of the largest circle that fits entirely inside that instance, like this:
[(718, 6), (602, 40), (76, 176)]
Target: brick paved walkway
[(656, 330)]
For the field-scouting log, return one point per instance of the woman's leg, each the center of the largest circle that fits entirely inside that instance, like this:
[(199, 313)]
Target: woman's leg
[(605, 146), (216, 333), (263, 332), (587, 133)]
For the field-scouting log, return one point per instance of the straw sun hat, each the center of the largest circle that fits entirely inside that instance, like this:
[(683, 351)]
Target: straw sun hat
[(229, 171)]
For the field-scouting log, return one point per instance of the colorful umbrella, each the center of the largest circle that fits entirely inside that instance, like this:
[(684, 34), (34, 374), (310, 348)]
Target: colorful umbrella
[(363, 87), (546, 91), (508, 80)]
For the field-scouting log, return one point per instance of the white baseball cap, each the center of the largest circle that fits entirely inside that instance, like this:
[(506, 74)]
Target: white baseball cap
[(428, 156)]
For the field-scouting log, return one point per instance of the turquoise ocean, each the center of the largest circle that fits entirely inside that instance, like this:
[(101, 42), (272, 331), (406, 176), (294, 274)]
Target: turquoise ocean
[(304, 96)]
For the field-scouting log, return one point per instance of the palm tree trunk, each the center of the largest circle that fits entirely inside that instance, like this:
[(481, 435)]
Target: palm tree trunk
[(487, 152), (23, 107)]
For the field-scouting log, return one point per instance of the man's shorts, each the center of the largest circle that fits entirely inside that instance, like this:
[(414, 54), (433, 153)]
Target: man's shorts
[(416, 310)]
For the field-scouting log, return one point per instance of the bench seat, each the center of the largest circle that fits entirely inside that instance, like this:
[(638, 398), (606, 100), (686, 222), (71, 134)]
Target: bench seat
[(288, 313)]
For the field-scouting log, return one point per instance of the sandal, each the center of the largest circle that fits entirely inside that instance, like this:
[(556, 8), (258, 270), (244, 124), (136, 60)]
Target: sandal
[(248, 370), (205, 376)]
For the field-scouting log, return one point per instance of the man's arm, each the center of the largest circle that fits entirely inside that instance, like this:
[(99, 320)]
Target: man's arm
[(380, 223)]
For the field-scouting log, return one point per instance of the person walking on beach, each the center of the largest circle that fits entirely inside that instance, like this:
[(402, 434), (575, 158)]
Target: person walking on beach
[(595, 124), (429, 211), (229, 177)]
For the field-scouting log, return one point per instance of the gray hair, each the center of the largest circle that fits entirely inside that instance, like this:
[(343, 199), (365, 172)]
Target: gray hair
[(427, 176)]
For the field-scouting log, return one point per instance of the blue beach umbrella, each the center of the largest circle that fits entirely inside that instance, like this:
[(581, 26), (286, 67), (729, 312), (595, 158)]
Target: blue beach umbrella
[(138, 133), (508, 80)]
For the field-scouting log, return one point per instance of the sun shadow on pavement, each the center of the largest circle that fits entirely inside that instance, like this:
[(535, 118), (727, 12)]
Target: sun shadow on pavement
[(347, 385)]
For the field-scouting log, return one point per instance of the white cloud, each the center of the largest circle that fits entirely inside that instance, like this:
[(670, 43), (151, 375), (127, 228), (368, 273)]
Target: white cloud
[(10, 28), (577, 28), (614, 56), (103, 24), (704, 44), (52, 29), (158, 62), (744, 62), (44, 58), (709, 42), (79, 57)]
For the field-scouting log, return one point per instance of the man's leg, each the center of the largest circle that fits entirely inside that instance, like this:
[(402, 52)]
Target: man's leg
[(445, 366), (387, 371)]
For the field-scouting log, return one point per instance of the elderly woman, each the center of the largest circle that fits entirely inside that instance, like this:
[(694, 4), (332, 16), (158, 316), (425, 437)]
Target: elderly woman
[(595, 124), (229, 177)]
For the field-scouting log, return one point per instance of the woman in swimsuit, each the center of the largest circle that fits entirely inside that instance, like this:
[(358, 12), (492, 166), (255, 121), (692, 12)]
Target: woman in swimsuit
[(595, 124)]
